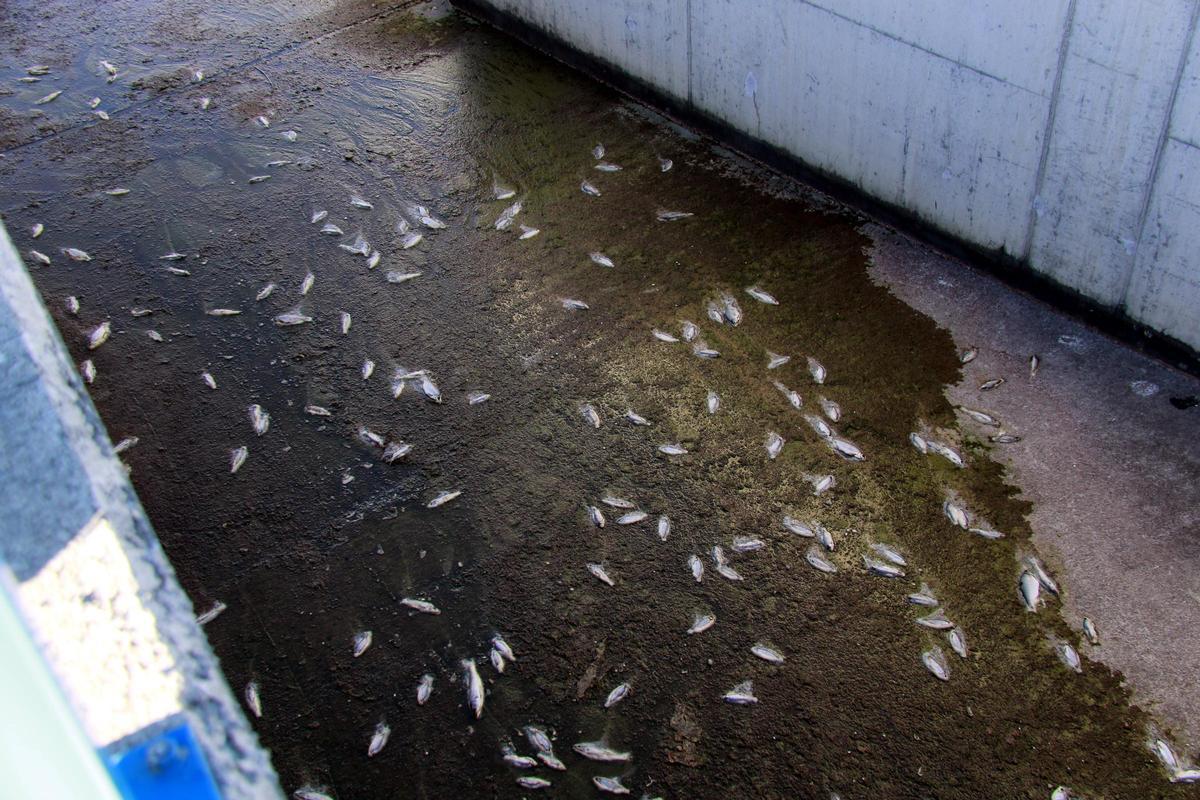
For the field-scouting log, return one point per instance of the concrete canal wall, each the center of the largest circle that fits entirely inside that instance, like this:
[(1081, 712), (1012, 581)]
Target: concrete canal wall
[(1059, 136)]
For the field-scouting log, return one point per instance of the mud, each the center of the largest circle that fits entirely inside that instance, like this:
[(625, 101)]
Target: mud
[(418, 105)]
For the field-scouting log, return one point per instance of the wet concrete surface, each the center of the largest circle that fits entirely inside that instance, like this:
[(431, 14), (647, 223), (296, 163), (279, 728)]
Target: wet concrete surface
[(416, 105)]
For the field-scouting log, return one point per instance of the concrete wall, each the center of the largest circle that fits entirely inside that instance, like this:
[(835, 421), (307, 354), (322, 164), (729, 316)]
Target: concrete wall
[(1062, 134)]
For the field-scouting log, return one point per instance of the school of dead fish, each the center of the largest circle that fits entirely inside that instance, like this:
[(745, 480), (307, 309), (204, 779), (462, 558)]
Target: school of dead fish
[(1033, 582)]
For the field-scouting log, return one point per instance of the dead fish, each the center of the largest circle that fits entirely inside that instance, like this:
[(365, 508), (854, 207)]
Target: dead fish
[(37, 230), (610, 785), (701, 623), (1069, 656), (714, 402), (919, 442), (600, 573), (40, 257), (253, 699), (474, 687), (442, 498), (955, 513), (665, 164), (528, 232), (502, 192), (289, 135), (88, 370), (426, 218), (72, 304), (99, 335), (690, 331), (205, 102), (774, 445), (362, 640), (596, 516), (968, 355), (374, 259), (574, 305), (1166, 754), (424, 689), (48, 98), (258, 178), (37, 69), (746, 544), (831, 409), (636, 418), (173, 256), (818, 425), (697, 567), (502, 646), (237, 457), (672, 449), (329, 229), (823, 536), (618, 694), (289, 318), (947, 453), (601, 259), (497, 659), (1188, 775), (538, 739), (421, 606), (29, 79), (379, 739), (431, 390), (75, 254), (1034, 363), (505, 220), (605, 166), (1034, 565), (589, 189), (935, 661), (532, 782), (923, 597), (761, 296), (118, 192), (617, 502), (822, 484), (742, 694), (478, 398), (632, 518), (958, 642), (359, 247), (986, 533), (598, 751), (282, 162), (102, 114), (988, 385), (317, 216), (266, 291), (260, 420), (816, 369), (368, 369), (715, 313), (598, 152), (198, 75), (310, 793), (774, 360), (1030, 590), (370, 437), (767, 653), (936, 621), (211, 614), (358, 202), (982, 417), (401, 277), (395, 451), (664, 527), (317, 411), (797, 527), (125, 444), (590, 414), (889, 553), (666, 215), (732, 310), (663, 336), (1004, 438), (882, 568), (793, 397), (223, 312), (1089, 630), (728, 572)]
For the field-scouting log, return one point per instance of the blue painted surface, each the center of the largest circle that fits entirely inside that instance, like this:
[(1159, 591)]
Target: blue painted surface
[(169, 766)]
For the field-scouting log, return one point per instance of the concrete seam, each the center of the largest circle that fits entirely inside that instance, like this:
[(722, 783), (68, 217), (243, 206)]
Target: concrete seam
[(1051, 115), (1159, 150), (918, 47)]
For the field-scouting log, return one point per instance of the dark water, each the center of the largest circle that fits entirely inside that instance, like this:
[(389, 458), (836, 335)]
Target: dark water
[(414, 107)]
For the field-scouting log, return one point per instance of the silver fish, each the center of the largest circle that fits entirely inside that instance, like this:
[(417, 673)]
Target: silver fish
[(430, 389), (346, 322), (663, 336), (729, 573), (617, 502), (265, 291), (918, 441), (125, 444), (690, 331), (767, 653), (223, 312), (283, 162), (618, 694), (205, 102), (528, 232), (955, 513), (118, 192), (237, 457), (816, 369), (212, 613), (797, 527), (442, 498), (774, 360), (173, 256), (665, 164), (590, 414), (48, 98), (718, 555), (329, 229), (632, 518), (368, 436), (102, 114), (958, 642), (198, 75), (1089, 630), (761, 296), (823, 536), (502, 646), (732, 311), (395, 451), (1166, 754), (1034, 363), (99, 335), (601, 259), (1004, 438), (358, 202), (598, 751), (1069, 656), (988, 385), (260, 420), (497, 659), (393, 276), (948, 453), (253, 699), (208, 379), (793, 397), (478, 398), (574, 305), (359, 247), (714, 402), (379, 739), (290, 136), (421, 606), (75, 254), (263, 121), (664, 527), (310, 793), (697, 567), (665, 215), (474, 687), (968, 355), (362, 640), (368, 369), (589, 189), (715, 313), (88, 370), (701, 623), (289, 318), (982, 417), (746, 544), (1034, 565), (774, 445), (882, 568), (258, 178), (40, 257), (846, 449), (505, 220), (317, 411), (889, 553), (600, 573), (831, 409), (936, 621), (672, 449), (1030, 590), (596, 516), (36, 230), (817, 560), (822, 484), (935, 661), (986, 533), (819, 426), (532, 782), (37, 69), (539, 740), (636, 418), (923, 597), (424, 689), (610, 785), (605, 166), (318, 216), (742, 694), (1185, 775), (598, 152)]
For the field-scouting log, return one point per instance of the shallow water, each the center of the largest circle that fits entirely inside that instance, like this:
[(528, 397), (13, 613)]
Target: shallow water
[(415, 107)]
